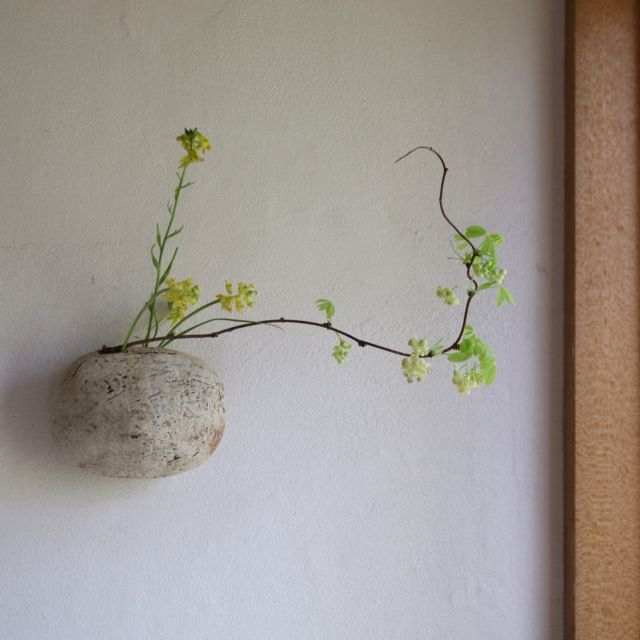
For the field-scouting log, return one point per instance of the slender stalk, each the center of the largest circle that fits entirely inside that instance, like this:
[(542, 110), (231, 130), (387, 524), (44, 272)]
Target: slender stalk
[(161, 248), (173, 336), (189, 315), (455, 345), (214, 334), (445, 170), (150, 304), (137, 318)]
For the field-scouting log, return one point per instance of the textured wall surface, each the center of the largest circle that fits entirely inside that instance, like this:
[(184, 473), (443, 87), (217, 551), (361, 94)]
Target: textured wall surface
[(342, 502)]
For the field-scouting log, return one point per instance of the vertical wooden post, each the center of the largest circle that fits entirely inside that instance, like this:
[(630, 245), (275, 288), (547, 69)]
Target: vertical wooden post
[(602, 455)]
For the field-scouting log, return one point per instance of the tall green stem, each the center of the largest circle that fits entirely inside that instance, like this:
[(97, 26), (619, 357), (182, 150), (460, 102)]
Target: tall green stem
[(160, 275), (137, 318), (161, 272)]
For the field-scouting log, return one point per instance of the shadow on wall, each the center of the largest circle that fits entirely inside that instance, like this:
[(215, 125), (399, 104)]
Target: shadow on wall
[(36, 468)]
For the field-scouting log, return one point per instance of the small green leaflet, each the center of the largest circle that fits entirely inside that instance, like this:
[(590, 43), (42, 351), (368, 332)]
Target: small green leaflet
[(437, 348), (472, 347), (489, 243), (327, 306), (468, 331), (475, 232), (167, 271), (175, 233), (504, 297), (487, 247), (458, 357), (489, 373)]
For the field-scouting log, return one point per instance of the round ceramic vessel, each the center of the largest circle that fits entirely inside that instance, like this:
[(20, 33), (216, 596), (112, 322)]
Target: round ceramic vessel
[(145, 413)]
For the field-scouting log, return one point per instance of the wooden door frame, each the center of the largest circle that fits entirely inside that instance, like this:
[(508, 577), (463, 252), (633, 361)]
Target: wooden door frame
[(602, 347)]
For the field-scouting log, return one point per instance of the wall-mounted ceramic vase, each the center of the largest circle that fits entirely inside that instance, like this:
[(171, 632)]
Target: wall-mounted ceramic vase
[(145, 413)]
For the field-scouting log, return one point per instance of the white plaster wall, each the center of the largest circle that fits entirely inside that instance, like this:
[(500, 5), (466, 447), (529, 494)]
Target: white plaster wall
[(342, 503)]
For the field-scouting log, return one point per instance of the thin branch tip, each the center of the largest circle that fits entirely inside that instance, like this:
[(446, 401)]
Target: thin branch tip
[(425, 148)]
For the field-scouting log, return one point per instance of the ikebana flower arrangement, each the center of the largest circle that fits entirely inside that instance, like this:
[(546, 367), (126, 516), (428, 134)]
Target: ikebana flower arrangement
[(138, 409)]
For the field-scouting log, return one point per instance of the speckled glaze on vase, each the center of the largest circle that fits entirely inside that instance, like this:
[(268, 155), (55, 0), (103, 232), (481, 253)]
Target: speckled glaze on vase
[(146, 413)]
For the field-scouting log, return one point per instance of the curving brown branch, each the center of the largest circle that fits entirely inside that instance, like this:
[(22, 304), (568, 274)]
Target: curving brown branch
[(454, 346), (474, 251)]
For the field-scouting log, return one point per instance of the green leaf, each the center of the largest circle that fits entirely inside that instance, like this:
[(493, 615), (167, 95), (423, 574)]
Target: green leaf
[(466, 346), (327, 306), (504, 297), (437, 348), (475, 232), (167, 271), (497, 239), (489, 374), (468, 331), (458, 357), (175, 233), (487, 361), (486, 285), (156, 264), (158, 236), (480, 349), (487, 247)]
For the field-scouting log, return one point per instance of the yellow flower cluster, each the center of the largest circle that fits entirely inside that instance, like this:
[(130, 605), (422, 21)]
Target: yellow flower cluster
[(245, 296), (194, 143), (180, 296)]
